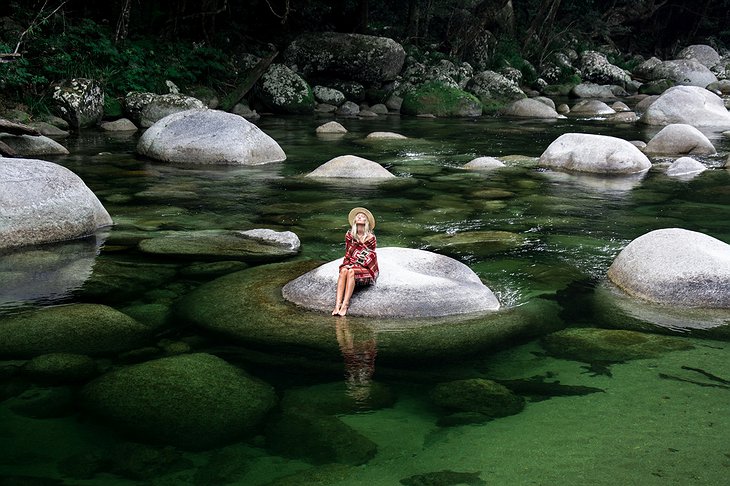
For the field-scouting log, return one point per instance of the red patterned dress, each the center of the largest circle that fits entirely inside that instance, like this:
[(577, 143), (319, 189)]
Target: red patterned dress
[(362, 258)]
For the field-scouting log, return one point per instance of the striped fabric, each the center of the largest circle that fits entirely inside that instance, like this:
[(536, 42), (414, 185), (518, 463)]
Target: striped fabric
[(362, 258)]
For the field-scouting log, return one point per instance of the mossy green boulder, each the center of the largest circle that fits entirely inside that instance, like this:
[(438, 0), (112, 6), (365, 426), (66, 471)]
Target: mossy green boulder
[(441, 100), (609, 345), (284, 91), (57, 368), (90, 329), (194, 401), (477, 395)]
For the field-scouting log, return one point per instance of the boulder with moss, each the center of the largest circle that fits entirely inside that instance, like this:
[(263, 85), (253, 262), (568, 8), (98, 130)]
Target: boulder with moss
[(282, 90), (363, 58), (80, 102), (596, 68), (477, 395), (90, 329), (440, 100), (491, 87), (146, 109), (194, 401)]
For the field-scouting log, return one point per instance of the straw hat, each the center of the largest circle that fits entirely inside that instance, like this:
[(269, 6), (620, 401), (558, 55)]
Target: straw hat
[(368, 214)]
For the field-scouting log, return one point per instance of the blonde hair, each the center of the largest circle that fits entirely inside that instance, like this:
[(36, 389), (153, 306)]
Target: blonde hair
[(365, 233)]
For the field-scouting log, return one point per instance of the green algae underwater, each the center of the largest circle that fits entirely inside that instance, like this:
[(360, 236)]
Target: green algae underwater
[(582, 387)]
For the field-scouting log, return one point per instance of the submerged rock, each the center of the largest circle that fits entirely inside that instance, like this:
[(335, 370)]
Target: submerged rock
[(254, 245), (687, 104), (676, 267), (78, 328), (209, 137), (484, 163), (408, 280), (601, 154), (60, 368), (474, 242), (44, 202), (477, 395), (385, 136), (319, 439), (679, 139), (608, 345), (444, 478), (195, 401), (331, 127), (351, 167)]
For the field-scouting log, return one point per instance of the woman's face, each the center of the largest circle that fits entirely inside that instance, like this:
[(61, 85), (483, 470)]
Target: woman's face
[(360, 218)]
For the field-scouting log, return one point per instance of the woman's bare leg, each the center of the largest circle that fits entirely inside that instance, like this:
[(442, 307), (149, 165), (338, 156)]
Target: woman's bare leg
[(341, 283), (349, 289)]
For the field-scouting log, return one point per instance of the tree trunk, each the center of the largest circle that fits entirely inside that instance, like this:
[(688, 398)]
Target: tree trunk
[(414, 13)]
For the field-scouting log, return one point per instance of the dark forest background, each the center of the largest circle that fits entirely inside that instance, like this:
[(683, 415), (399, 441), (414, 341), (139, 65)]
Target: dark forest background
[(138, 44)]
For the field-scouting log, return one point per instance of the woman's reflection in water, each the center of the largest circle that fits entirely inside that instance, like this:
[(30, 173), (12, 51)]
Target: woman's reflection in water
[(358, 350)]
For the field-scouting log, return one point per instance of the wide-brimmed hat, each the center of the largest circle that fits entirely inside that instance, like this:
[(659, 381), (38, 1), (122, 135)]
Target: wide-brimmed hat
[(368, 214)]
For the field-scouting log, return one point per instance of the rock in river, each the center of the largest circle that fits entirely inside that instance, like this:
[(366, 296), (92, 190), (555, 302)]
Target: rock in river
[(42, 202), (208, 137), (412, 283), (79, 328), (195, 401), (583, 152), (676, 267)]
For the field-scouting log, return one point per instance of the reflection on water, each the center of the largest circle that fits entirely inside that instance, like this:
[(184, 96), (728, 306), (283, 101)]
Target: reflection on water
[(358, 352), (541, 240)]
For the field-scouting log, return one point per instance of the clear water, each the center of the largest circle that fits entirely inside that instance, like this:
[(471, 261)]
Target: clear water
[(641, 429)]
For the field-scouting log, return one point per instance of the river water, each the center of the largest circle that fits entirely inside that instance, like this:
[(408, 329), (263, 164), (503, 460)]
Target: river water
[(655, 420)]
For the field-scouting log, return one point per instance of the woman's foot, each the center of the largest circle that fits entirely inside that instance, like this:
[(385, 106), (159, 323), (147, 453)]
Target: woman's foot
[(336, 310), (343, 309)]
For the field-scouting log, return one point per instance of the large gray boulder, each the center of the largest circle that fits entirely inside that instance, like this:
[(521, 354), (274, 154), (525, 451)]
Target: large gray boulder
[(687, 104), (679, 139), (284, 91), (42, 202), (363, 58), (351, 167), (489, 86), (591, 108), (675, 267), (195, 401), (597, 69), (91, 329), (209, 137), (686, 72), (30, 146), (145, 109), (80, 102), (412, 283), (600, 154), (592, 90), (701, 53), (530, 108)]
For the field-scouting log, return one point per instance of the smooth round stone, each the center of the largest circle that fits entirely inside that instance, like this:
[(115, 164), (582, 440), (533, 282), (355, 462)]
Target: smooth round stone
[(687, 104), (60, 368), (208, 137), (44, 202), (679, 139), (592, 107), (475, 242), (195, 401), (351, 167), (31, 146), (385, 136), (602, 154), (255, 246), (331, 127), (405, 288), (685, 166), (484, 163), (676, 267), (90, 329)]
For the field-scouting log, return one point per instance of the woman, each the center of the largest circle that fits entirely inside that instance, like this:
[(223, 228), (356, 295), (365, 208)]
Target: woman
[(360, 266)]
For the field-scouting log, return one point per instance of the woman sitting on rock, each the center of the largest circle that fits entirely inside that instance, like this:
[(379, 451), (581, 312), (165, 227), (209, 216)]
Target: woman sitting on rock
[(360, 266)]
